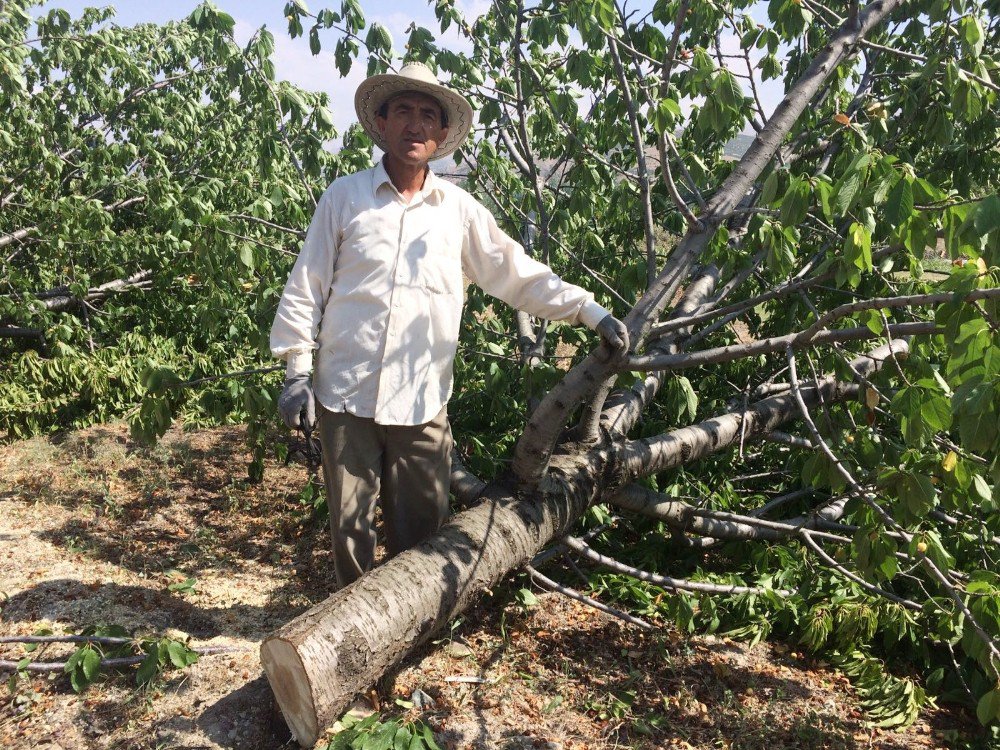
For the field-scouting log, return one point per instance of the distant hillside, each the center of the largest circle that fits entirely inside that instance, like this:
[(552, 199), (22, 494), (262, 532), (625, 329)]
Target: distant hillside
[(738, 146), (732, 150)]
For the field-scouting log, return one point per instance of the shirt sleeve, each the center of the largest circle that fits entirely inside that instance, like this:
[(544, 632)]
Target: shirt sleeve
[(300, 310), (501, 267)]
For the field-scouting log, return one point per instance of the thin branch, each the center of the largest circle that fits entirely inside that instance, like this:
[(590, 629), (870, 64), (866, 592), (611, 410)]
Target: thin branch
[(100, 639), (122, 661), (256, 220), (667, 582), (869, 587), (224, 376), (732, 311), (583, 599), (883, 303), (794, 441), (771, 345), (660, 452), (923, 61), (890, 522), (640, 155)]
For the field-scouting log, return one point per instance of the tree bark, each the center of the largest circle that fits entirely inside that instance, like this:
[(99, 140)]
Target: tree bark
[(660, 452)]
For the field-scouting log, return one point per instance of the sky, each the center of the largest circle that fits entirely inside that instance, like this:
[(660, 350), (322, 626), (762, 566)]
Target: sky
[(292, 57)]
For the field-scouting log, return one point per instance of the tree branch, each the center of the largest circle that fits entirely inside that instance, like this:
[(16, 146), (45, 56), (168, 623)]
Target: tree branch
[(674, 584), (661, 452)]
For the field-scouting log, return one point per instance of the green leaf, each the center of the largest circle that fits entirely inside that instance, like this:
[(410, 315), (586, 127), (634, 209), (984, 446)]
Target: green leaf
[(874, 323), (665, 115), (795, 204), (73, 660), (988, 707), (988, 215), (849, 186), (690, 397), (917, 493), (971, 32), (428, 736), (975, 412), (858, 247), (769, 191), (246, 256), (186, 586), (148, 669), (981, 488), (899, 204), (606, 13), (403, 736), (525, 597), (90, 663), (728, 90), (180, 655)]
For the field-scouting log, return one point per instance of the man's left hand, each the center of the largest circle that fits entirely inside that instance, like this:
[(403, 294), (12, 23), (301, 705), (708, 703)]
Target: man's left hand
[(614, 336)]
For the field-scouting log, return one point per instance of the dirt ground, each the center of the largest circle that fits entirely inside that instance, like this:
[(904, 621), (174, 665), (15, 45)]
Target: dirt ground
[(95, 529)]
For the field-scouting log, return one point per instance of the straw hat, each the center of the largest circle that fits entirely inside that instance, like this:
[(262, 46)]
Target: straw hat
[(377, 90)]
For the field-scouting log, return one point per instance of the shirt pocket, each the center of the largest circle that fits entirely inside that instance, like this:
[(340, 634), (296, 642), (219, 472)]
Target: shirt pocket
[(440, 267)]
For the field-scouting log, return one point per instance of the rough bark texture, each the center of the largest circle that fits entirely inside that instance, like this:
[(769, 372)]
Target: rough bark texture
[(660, 452), (319, 661), (684, 517)]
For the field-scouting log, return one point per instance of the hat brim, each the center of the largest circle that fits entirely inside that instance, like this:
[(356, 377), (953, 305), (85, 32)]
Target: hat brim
[(376, 90)]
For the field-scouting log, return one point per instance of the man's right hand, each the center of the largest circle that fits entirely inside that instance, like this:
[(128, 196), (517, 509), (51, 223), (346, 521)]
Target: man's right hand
[(296, 404)]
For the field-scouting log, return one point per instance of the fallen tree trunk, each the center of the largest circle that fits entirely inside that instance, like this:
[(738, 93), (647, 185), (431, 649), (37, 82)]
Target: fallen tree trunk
[(319, 661)]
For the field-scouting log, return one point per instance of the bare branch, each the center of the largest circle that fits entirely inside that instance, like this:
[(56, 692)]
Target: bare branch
[(583, 599), (769, 346), (869, 587), (884, 303), (122, 661), (720, 524), (639, 144), (674, 584), (658, 453), (256, 220), (465, 486)]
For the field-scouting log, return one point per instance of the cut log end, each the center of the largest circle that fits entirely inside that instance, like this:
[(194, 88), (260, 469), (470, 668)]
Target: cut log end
[(291, 685)]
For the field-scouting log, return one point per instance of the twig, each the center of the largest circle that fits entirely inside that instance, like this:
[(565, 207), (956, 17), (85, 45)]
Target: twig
[(242, 374), (583, 599), (676, 584), (121, 661), (869, 587), (104, 640)]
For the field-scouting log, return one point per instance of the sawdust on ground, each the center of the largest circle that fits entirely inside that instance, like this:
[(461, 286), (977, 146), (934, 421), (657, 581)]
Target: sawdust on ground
[(95, 529)]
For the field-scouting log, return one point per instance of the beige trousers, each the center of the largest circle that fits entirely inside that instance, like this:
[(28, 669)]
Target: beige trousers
[(408, 469)]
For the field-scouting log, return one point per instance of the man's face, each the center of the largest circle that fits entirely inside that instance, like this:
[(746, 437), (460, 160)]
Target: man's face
[(412, 127)]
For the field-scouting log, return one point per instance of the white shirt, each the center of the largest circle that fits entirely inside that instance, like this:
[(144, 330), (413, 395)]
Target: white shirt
[(377, 289)]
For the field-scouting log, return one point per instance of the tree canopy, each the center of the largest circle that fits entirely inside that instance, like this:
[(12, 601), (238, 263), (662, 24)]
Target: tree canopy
[(750, 469)]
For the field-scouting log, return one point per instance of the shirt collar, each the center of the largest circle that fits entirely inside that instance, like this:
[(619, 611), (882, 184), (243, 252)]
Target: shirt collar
[(432, 183)]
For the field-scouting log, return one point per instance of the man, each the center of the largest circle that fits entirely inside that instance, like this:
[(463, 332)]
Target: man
[(376, 295)]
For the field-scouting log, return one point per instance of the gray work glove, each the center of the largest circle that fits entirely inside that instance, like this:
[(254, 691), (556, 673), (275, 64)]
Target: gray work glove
[(614, 336), (296, 404)]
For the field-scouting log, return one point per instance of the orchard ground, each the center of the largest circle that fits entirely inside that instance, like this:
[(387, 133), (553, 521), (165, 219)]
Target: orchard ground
[(96, 529)]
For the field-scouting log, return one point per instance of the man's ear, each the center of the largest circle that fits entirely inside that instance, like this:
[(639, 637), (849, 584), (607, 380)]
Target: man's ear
[(380, 124)]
